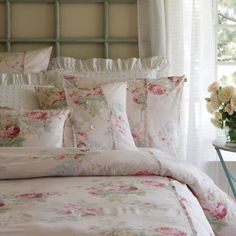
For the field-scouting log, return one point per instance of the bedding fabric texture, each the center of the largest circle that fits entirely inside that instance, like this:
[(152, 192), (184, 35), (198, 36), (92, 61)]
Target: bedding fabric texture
[(99, 119), (151, 94), (55, 98), (32, 128), (25, 62), (113, 193), (18, 96)]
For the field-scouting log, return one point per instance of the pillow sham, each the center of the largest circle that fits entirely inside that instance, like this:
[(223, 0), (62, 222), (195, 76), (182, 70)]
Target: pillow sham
[(99, 117), (55, 98), (25, 62), (18, 97), (154, 112), (37, 128), (51, 97)]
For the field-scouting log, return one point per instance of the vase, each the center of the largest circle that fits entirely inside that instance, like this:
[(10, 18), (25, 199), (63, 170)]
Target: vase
[(230, 137)]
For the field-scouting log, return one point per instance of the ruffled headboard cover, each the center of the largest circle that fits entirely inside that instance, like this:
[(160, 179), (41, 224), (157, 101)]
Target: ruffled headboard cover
[(118, 69)]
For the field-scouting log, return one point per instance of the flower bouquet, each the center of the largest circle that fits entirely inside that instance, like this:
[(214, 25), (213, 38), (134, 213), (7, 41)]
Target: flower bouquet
[(222, 104)]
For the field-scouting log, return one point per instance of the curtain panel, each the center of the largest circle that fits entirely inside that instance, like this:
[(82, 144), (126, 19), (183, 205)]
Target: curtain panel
[(184, 32)]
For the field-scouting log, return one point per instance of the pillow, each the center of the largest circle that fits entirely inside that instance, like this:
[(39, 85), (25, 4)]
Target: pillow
[(55, 98), (18, 97), (25, 62), (38, 128), (99, 117), (51, 97), (154, 112)]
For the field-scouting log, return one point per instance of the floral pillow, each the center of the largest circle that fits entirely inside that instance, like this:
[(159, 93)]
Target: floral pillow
[(51, 97), (99, 117), (36, 128), (55, 98), (25, 62), (154, 112)]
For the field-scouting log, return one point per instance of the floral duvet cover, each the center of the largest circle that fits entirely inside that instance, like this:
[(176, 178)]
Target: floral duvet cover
[(66, 192)]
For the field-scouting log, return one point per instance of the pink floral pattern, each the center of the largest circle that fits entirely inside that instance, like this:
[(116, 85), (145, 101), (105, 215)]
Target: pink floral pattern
[(51, 98), (33, 128), (145, 98), (99, 117), (145, 193)]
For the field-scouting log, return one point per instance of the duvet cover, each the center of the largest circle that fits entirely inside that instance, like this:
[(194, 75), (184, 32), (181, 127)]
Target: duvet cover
[(68, 192)]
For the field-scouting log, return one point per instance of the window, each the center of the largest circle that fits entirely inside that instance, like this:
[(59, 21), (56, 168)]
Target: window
[(226, 48)]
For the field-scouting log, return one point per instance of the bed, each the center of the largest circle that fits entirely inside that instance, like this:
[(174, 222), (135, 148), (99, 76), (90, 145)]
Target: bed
[(87, 147)]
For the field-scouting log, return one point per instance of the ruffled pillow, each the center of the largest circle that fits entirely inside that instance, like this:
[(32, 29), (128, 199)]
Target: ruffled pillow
[(37, 128)]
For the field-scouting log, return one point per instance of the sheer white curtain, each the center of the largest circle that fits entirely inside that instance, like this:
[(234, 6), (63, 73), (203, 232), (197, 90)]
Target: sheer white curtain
[(184, 32)]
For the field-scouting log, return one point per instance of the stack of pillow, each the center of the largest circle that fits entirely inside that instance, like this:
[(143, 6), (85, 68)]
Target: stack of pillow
[(93, 104)]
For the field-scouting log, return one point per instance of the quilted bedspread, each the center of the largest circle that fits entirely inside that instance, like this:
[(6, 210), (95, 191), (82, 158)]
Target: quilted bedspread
[(67, 192)]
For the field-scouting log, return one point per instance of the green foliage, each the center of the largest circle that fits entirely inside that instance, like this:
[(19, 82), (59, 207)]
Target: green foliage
[(227, 36)]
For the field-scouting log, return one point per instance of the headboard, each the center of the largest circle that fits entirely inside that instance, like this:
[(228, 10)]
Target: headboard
[(77, 28)]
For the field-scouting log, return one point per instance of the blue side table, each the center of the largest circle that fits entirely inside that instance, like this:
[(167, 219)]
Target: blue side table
[(219, 145)]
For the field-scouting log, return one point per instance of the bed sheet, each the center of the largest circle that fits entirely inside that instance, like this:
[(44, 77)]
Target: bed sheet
[(66, 192)]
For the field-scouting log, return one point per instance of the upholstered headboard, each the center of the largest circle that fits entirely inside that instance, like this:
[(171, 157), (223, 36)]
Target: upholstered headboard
[(77, 28)]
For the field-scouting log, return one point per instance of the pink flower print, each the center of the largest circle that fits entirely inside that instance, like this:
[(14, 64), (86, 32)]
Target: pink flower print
[(30, 196), (11, 131), (137, 138), (156, 89), (120, 119), (97, 91), (175, 79), (170, 231), (82, 138), (153, 183), (37, 115), (138, 97), (220, 211), (69, 77), (144, 173)]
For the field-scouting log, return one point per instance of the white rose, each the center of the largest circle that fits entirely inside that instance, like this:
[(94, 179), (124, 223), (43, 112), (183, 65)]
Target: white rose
[(233, 102), (209, 107), (226, 93), (215, 102), (216, 123), (229, 109), (213, 87), (218, 115)]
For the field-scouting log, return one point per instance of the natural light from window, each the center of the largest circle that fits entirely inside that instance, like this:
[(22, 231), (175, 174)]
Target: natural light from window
[(226, 48)]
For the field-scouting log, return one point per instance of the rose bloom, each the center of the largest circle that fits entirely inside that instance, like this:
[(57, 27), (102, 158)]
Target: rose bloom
[(229, 109), (233, 102), (220, 211), (11, 131), (225, 93), (215, 102), (156, 89), (216, 123), (213, 87), (38, 115), (218, 115), (209, 107)]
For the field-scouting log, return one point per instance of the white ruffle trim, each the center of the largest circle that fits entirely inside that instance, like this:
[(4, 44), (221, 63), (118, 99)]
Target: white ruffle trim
[(151, 67)]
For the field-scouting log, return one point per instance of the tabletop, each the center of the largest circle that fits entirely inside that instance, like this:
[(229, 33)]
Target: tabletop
[(221, 144)]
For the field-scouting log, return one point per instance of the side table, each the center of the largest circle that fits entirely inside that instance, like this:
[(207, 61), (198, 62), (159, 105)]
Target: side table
[(219, 145)]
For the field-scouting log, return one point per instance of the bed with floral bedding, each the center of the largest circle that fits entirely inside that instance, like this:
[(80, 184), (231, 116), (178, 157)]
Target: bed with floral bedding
[(70, 192)]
